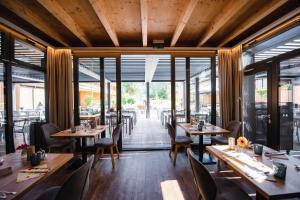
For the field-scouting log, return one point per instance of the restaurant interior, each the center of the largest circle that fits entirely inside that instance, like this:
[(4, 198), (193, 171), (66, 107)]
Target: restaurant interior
[(148, 99)]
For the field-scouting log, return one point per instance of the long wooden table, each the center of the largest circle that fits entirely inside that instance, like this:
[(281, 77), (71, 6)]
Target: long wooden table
[(266, 188), (8, 182), (208, 129), (81, 133)]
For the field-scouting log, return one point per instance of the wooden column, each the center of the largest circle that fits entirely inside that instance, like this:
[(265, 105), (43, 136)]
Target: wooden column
[(187, 89), (76, 91), (119, 98), (148, 100), (173, 92), (213, 91), (102, 94), (197, 94)]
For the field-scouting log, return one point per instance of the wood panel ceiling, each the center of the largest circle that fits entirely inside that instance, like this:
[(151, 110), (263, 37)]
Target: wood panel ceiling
[(136, 23)]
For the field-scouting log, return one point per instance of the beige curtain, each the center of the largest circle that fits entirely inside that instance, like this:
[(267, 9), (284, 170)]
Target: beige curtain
[(59, 75), (230, 84)]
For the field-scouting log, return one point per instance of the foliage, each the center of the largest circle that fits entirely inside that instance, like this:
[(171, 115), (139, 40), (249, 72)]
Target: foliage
[(89, 101), (262, 93)]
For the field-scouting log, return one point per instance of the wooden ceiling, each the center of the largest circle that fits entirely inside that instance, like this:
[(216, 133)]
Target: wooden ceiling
[(136, 23)]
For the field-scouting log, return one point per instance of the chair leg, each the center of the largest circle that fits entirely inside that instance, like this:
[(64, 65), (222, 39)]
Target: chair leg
[(112, 156), (175, 154), (117, 151), (170, 153)]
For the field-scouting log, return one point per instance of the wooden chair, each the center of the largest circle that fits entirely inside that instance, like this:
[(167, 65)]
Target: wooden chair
[(177, 142), (109, 143), (214, 188), (75, 188), (234, 127), (56, 144)]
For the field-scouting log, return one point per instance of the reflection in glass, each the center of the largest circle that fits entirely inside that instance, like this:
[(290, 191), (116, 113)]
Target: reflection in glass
[(2, 112), (289, 104), (256, 107)]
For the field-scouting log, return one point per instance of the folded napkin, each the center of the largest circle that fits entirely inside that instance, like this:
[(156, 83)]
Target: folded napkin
[(34, 172)]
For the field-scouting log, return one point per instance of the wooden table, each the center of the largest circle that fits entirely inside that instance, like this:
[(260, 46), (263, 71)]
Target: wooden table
[(265, 189), (208, 129), (81, 133), (8, 183)]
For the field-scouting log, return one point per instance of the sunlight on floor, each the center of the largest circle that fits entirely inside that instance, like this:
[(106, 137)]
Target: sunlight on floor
[(171, 190)]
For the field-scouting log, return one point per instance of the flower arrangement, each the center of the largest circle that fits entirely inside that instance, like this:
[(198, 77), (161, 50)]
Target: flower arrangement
[(22, 147), (242, 142)]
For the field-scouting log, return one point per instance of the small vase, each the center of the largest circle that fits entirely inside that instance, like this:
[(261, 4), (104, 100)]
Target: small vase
[(24, 154)]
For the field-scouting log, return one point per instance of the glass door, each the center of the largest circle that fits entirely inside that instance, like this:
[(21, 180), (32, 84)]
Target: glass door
[(257, 105), (289, 105)]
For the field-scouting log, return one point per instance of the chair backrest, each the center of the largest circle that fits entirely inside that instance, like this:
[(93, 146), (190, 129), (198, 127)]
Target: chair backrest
[(77, 184), (234, 127), (171, 132), (48, 130), (204, 181), (116, 133)]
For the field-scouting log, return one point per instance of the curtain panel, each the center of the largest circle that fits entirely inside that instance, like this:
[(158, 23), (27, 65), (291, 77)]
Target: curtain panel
[(59, 77), (230, 84)]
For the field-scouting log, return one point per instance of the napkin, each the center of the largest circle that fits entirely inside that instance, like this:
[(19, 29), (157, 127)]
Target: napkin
[(37, 171)]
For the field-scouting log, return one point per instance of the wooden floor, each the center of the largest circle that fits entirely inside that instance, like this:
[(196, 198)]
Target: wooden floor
[(148, 175), (142, 175), (147, 133)]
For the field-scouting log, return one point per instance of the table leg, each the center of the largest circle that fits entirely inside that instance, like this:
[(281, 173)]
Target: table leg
[(205, 158), (201, 148), (83, 150)]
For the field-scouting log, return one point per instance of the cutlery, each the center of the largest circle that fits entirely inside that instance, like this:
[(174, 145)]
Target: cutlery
[(6, 192)]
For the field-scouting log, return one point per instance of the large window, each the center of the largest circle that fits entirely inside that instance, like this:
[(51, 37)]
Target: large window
[(28, 104), (201, 88), (26, 71), (89, 88), (29, 54)]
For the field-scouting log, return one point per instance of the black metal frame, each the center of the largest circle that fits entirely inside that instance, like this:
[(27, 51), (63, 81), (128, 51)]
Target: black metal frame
[(118, 88), (76, 91), (9, 61), (272, 65)]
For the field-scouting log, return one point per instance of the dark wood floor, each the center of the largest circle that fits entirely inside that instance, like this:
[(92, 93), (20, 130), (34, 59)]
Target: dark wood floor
[(142, 175)]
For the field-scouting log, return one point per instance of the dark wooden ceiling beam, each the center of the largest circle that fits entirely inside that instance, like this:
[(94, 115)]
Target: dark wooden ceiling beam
[(100, 10), (183, 21), (260, 14), (222, 18), (59, 12), (144, 19), (20, 9)]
